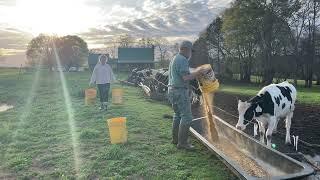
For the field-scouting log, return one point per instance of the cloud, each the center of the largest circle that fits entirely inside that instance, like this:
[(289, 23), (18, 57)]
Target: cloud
[(7, 2), (11, 38), (104, 3), (167, 18), (172, 19)]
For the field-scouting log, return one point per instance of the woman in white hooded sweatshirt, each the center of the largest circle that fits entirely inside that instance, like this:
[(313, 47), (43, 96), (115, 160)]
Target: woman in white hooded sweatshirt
[(103, 76)]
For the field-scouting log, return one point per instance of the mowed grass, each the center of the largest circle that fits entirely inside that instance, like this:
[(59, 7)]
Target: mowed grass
[(309, 96), (36, 137)]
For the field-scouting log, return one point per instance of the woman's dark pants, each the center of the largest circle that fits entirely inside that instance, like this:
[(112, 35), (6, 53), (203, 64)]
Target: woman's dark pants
[(104, 92)]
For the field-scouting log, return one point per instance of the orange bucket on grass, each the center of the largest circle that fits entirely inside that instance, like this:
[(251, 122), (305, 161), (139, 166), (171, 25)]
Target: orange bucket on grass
[(117, 96), (117, 130), (90, 96)]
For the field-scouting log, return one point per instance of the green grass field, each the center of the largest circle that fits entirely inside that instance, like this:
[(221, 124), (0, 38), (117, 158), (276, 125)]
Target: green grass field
[(305, 95), (49, 135)]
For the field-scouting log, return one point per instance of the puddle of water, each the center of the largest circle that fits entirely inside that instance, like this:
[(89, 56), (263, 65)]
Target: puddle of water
[(5, 107)]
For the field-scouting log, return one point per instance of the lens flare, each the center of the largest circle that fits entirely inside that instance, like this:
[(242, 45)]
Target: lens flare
[(70, 111), (27, 107)]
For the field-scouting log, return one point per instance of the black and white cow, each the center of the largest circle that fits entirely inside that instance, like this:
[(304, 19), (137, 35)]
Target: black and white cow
[(272, 103)]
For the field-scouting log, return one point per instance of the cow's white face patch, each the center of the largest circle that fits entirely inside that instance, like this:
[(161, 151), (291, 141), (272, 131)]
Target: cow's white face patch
[(258, 109), (242, 108)]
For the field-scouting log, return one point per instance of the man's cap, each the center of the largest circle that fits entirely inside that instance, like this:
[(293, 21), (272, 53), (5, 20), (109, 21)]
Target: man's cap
[(186, 44)]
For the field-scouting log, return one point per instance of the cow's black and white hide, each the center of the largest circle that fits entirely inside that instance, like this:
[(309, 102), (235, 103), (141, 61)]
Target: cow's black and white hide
[(272, 103), (138, 76), (157, 80), (195, 92), (162, 77)]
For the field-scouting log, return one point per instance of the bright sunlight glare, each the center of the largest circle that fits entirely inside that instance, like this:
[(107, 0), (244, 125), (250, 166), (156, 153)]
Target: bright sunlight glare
[(27, 107), (70, 111), (59, 17)]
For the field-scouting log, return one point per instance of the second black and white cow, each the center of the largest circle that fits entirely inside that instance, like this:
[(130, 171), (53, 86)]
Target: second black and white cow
[(272, 103)]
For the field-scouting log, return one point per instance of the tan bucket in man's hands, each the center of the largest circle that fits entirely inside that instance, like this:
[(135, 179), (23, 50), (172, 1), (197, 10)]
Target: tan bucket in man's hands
[(208, 82)]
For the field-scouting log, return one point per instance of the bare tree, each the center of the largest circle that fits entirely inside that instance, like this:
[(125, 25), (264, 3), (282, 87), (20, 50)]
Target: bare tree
[(163, 47), (125, 40), (146, 42)]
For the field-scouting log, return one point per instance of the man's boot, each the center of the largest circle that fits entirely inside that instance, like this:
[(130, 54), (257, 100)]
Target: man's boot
[(101, 106), (175, 131), (183, 138), (105, 105)]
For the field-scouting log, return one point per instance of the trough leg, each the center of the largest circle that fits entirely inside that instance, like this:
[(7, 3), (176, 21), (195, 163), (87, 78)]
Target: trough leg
[(288, 126), (255, 129), (270, 129)]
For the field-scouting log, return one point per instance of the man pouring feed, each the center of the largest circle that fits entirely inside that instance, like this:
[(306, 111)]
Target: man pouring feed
[(178, 94)]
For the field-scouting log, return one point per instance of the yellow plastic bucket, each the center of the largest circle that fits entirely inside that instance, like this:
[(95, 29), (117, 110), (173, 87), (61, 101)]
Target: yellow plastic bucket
[(90, 96), (117, 96), (208, 82), (117, 130)]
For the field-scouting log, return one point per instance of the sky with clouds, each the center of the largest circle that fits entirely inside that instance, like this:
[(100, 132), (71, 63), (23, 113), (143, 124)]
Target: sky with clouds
[(98, 20)]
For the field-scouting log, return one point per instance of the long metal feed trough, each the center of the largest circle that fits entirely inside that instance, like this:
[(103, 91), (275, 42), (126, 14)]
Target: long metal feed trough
[(274, 165)]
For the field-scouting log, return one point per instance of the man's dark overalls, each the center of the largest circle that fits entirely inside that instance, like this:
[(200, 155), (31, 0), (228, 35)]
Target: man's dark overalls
[(178, 94)]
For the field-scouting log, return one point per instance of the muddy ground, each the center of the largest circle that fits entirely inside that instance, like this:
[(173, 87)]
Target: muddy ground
[(305, 124)]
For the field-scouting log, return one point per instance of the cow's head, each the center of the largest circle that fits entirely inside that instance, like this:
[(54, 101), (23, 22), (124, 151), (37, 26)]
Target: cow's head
[(246, 114)]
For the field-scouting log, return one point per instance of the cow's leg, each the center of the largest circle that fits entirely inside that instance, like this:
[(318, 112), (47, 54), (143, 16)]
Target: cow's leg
[(276, 126), (288, 126), (271, 125), (255, 129), (262, 131)]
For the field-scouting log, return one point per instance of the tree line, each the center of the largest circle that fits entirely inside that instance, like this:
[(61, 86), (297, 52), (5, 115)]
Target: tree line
[(265, 38), (73, 50)]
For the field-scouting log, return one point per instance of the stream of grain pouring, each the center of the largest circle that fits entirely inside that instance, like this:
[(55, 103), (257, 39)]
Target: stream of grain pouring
[(209, 84)]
